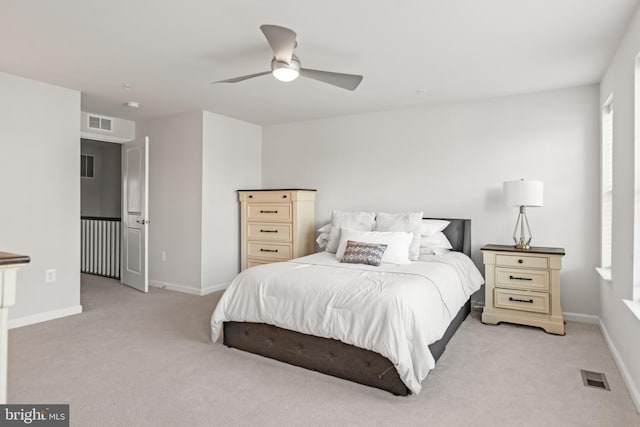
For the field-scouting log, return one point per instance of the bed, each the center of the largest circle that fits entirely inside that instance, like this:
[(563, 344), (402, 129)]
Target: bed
[(303, 336)]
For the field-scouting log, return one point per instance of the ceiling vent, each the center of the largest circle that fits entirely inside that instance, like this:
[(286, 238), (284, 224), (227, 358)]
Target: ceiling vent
[(104, 124)]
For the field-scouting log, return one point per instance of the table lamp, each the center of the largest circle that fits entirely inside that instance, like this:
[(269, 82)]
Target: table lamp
[(522, 193)]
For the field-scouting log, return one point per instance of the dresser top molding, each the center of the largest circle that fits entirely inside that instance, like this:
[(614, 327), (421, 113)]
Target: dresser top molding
[(282, 189), (532, 250), (7, 258)]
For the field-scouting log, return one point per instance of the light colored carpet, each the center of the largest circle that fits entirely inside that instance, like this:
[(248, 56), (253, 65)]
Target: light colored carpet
[(146, 360)]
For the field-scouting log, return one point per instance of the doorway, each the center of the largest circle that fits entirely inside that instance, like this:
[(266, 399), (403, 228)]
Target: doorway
[(100, 207)]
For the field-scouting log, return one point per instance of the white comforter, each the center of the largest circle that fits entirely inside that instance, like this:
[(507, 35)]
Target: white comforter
[(394, 310)]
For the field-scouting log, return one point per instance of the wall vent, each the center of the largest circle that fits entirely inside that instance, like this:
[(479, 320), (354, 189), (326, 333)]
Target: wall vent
[(594, 379), (100, 123)]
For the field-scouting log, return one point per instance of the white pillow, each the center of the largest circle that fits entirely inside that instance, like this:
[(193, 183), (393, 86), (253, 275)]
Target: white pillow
[(398, 243), (363, 221), (410, 222), (437, 240), (433, 251), (325, 228), (432, 226), (322, 240)]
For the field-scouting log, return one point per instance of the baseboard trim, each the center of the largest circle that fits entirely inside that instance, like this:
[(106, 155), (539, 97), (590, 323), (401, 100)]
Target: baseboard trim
[(582, 318), (215, 288), (633, 390), (43, 317), (174, 287), (186, 289)]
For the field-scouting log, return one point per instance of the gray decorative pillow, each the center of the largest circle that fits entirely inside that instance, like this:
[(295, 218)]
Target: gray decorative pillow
[(364, 253)]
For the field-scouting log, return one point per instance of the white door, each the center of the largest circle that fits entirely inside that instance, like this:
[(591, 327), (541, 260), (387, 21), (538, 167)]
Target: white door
[(135, 211)]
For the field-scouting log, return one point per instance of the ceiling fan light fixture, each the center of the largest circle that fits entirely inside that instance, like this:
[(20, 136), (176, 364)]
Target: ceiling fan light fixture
[(286, 67), (285, 72)]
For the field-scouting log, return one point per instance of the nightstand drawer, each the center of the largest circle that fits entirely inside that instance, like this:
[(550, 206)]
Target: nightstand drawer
[(531, 280), (269, 250), (265, 231), (522, 261), (537, 302), (268, 212)]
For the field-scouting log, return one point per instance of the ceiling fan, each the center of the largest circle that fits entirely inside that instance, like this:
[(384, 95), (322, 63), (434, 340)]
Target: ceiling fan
[(286, 67)]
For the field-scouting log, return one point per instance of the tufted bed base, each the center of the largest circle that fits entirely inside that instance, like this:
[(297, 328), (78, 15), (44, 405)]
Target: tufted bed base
[(334, 357), (328, 356)]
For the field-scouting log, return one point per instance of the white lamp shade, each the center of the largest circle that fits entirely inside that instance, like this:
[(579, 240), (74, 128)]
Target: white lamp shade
[(522, 193)]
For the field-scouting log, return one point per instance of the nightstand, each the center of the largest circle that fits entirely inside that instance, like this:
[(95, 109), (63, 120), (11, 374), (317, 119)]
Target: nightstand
[(523, 286)]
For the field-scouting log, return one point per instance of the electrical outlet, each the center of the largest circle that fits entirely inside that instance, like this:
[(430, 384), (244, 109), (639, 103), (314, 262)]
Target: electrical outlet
[(50, 275), (163, 256)]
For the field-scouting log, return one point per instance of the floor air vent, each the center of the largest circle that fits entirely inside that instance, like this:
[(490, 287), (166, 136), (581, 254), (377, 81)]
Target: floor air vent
[(594, 379)]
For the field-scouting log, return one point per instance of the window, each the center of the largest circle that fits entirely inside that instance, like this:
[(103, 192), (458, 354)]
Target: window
[(606, 186), (86, 166), (634, 303), (636, 184)]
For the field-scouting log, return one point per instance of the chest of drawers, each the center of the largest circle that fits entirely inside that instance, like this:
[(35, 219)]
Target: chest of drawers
[(276, 225), (523, 286)]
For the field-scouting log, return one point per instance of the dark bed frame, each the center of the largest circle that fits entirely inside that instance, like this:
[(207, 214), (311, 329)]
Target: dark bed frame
[(334, 357)]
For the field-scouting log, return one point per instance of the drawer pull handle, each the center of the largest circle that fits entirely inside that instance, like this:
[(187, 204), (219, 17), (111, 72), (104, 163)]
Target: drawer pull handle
[(269, 212), (268, 250), (520, 261), (530, 301), (250, 196), (519, 278), (268, 231), (284, 196)]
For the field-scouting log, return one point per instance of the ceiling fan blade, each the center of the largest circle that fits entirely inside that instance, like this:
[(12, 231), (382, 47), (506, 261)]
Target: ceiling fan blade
[(241, 78), (345, 81), (282, 41)]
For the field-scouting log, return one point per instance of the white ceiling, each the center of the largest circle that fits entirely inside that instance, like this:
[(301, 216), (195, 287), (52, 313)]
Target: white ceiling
[(410, 52)]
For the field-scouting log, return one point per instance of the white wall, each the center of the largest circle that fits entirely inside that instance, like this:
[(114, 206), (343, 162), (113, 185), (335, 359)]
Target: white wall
[(451, 160), (175, 197), (622, 326), (231, 160), (197, 161), (40, 214)]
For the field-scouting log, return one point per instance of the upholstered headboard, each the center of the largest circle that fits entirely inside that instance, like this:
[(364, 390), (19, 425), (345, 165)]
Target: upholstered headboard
[(459, 234)]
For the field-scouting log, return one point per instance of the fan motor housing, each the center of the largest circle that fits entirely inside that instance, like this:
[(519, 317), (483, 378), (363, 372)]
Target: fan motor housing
[(294, 65)]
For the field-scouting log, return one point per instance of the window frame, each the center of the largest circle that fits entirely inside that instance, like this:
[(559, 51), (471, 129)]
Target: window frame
[(607, 117), (84, 163)]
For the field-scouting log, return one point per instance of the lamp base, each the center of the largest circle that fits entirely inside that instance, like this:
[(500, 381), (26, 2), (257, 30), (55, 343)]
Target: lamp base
[(522, 242)]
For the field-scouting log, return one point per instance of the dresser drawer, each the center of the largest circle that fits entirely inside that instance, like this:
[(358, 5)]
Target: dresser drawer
[(268, 212), (266, 196), (537, 302), (522, 261), (269, 232), (254, 262), (280, 251), (532, 280)]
